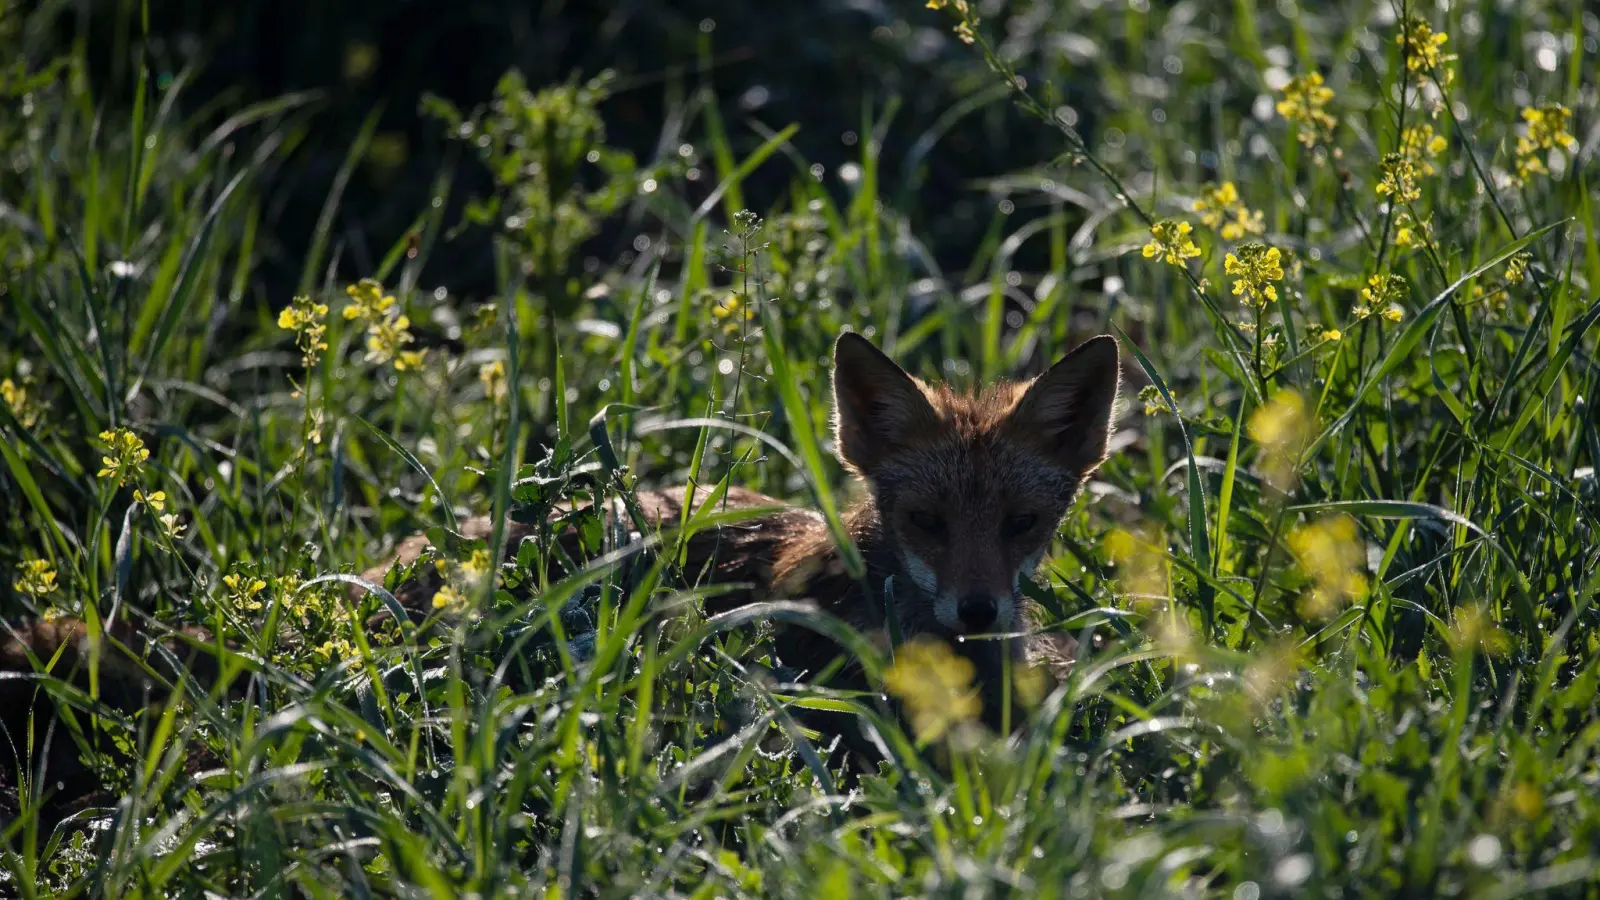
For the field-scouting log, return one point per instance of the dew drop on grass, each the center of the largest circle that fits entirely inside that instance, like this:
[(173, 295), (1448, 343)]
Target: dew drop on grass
[(977, 820)]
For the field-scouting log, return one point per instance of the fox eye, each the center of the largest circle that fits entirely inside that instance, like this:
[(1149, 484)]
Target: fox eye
[(928, 523), (1020, 524)]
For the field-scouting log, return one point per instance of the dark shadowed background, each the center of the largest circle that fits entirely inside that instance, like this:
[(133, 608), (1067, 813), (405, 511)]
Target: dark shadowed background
[(837, 68)]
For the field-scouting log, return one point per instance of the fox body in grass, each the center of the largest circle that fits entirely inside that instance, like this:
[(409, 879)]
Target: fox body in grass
[(964, 494)]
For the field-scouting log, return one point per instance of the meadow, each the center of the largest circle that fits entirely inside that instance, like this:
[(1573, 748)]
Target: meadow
[(1334, 590)]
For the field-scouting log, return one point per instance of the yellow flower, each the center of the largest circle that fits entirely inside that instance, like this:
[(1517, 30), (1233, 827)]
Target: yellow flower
[(1420, 143), (1422, 46), (1475, 629), (1527, 800), (1281, 427), (1411, 232), (1381, 296), (36, 579), (172, 526), (128, 455), (964, 11), (493, 377), (368, 301), (1220, 208), (1517, 268), (1170, 240), (156, 500), (1215, 201), (244, 590), (732, 311), (16, 398), (333, 650), (448, 598), (935, 684), (1333, 335), (477, 565), (1331, 553), (308, 321), (388, 330), (385, 339), (1255, 267), (1142, 567), (1399, 178), (1305, 103), (1549, 128), (1153, 401)]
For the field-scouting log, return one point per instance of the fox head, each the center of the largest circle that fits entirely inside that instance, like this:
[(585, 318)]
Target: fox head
[(970, 488)]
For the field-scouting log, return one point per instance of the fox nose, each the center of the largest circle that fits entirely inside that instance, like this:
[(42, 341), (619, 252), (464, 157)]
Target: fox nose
[(977, 611)]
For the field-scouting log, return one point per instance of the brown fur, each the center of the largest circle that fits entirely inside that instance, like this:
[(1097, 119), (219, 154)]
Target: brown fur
[(125, 686)]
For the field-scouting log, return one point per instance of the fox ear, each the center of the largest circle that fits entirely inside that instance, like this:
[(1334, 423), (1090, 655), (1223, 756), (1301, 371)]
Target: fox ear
[(1067, 410), (877, 407)]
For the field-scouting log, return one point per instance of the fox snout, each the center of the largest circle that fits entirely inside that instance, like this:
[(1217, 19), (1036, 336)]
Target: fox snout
[(973, 592), (977, 611)]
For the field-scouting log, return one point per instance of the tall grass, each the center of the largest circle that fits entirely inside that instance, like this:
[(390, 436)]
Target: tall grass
[(1335, 589)]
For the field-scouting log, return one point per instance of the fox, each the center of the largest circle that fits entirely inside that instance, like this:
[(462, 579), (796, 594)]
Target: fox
[(959, 495)]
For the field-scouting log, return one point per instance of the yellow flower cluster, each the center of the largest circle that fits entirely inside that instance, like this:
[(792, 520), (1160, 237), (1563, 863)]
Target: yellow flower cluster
[(732, 311), (1410, 231), (1398, 179), (333, 650), (36, 578), (1549, 128), (244, 591), (1142, 566), (492, 375), (1474, 628), (1517, 268), (308, 321), (1331, 553), (935, 684), (1170, 240), (449, 599), (1221, 209), (16, 399), (1423, 47), (477, 564), (1255, 267), (1281, 427), (388, 330), (1305, 103), (128, 455), (157, 501), (1381, 297), (1420, 144), (964, 11), (1154, 403)]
